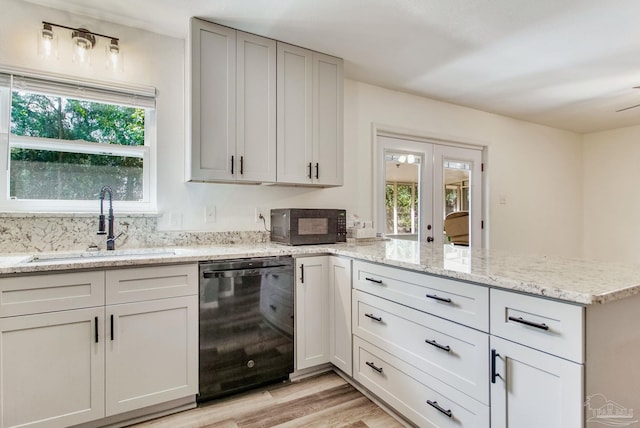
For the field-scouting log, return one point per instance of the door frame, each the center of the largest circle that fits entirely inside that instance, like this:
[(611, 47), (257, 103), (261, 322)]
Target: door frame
[(418, 137)]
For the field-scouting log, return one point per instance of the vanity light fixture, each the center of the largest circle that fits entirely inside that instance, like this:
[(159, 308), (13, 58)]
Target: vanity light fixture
[(47, 42), (83, 42)]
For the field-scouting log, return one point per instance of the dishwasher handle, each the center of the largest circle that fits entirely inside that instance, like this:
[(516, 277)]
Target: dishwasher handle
[(245, 272)]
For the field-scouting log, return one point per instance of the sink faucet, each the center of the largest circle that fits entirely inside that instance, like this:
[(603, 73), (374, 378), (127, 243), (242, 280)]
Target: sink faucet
[(111, 239)]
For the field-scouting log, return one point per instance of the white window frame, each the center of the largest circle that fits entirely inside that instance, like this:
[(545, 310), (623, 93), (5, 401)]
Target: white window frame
[(146, 152)]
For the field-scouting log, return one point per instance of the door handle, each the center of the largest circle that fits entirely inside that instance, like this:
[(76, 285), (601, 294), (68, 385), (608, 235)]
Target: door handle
[(309, 170), (232, 162), (96, 328), (373, 366), (112, 335), (437, 345), (317, 170), (429, 238), (373, 317), (541, 326), (301, 274), (241, 165)]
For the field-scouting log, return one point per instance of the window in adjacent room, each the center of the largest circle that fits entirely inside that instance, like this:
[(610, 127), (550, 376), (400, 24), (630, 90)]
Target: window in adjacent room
[(65, 141)]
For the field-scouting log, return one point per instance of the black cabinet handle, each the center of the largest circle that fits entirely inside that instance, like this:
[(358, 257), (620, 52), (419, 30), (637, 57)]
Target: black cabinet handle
[(377, 281), (438, 298), (309, 169), (439, 346), (232, 162), (111, 326), (373, 366), (541, 326), (494, 375), (373, 317), (241, 165), (317, 170), (435, 405), (301, 274), (96, 328)]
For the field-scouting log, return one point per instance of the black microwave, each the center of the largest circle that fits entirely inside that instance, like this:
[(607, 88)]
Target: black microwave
[(305, 226)]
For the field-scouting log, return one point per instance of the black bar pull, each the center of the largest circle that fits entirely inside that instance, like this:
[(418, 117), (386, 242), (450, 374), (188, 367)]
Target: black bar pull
[(494, 375), (541, 326), (111, 326), (373, 317), (438, 298), (377, 281), (435, 405), (317, 170), (301, 274), (437, 345), (241, 165), (309, 169), (232, 162), (96, 328), (373, 366)]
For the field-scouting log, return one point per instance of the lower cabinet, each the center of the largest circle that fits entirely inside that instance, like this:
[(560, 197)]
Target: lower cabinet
[(532, 389), (71, 365), (52, 368), (151, 353), (312, 312), (340, 313), (422, 399), (323, 312)]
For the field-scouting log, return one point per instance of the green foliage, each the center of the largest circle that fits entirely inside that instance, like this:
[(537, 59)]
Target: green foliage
[(47, 174), (402, 207)]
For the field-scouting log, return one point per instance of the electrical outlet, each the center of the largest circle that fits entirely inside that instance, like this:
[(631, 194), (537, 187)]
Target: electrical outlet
[(210, 214), (260, 211)]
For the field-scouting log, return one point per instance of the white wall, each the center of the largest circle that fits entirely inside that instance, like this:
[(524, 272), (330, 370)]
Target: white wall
[(611, 198), (535, 169)]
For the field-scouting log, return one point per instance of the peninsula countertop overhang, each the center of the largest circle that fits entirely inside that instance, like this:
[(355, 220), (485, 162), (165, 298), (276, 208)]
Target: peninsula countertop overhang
[(572, 280)]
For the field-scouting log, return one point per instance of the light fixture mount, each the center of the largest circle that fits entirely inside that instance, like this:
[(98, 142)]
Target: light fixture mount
[(83, 38)]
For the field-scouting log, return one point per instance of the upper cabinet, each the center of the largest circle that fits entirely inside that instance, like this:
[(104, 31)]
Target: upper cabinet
[(243, 129), (310, 117), (233, 105)]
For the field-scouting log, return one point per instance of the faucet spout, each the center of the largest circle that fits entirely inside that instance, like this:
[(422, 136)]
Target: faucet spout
[(101, 219)]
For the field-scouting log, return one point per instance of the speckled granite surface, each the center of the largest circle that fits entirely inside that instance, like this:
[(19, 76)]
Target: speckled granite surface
[(45, 233), (577, 281)]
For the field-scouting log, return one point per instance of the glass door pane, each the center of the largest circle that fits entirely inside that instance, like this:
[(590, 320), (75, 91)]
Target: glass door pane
[(457, 196)]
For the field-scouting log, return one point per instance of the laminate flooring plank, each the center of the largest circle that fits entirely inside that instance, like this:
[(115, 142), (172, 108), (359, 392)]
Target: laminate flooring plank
[(299, 408), (321, 401)]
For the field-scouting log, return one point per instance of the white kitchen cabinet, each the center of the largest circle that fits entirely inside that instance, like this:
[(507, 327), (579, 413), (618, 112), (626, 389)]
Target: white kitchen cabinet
[(310, 117), (151, 353), (74, 360), (233, 99), (52, 368), (340, 349), (312, 312), (532, 389)]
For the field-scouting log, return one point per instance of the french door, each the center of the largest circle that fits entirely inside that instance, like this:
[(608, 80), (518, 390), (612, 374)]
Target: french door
[(428, 191)]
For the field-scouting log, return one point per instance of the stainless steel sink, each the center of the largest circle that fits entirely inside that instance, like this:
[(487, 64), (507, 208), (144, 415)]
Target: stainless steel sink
[(97, 255)]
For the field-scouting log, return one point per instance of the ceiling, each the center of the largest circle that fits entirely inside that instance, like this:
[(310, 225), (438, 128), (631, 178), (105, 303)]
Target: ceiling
[(569, 64)]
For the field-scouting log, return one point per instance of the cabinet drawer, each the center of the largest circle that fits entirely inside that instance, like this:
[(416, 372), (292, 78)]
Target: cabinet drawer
[(20, 295), (148, 283), (452, 353), (553, 327), (420, 398), (457, 301)]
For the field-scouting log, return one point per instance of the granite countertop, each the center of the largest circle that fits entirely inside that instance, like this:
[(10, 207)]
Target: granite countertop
[(572, 280)]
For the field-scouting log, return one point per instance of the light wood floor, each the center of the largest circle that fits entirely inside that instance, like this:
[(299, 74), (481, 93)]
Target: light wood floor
[(326, 400)]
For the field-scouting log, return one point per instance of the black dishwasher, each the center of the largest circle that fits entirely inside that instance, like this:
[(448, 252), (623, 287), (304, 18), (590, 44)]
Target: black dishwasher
[(246, 324)]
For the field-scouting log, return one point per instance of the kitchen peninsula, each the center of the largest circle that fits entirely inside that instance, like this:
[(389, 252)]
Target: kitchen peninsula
[(449, 325)]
